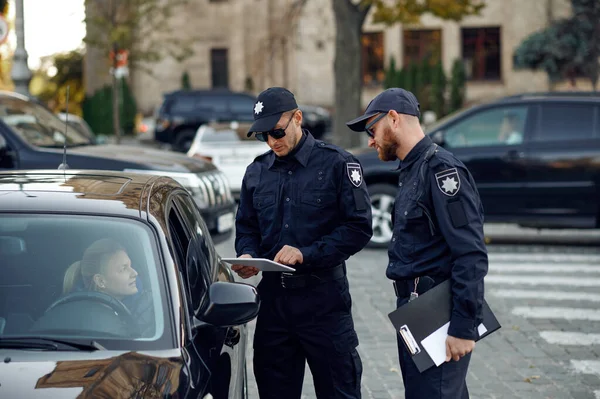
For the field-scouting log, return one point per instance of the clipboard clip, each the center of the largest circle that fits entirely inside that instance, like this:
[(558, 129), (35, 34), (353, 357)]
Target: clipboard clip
[(409, 340)]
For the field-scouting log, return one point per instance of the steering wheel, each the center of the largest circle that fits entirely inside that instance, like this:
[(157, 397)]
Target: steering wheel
[(94, 296)]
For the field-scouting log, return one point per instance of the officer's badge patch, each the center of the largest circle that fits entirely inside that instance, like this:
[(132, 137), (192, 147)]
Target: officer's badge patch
[(448, 182), (258, 107), (354, 173)]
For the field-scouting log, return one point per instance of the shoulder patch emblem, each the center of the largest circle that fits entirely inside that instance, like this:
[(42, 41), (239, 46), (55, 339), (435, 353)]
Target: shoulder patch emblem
[(354, 173), (448, 182)]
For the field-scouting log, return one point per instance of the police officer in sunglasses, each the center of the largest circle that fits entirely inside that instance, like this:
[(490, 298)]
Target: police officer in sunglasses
[(438, 235), (303, 203)]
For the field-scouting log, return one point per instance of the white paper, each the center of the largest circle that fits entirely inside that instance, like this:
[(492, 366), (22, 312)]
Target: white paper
[(265, 265), (435, 344), (481, 329)]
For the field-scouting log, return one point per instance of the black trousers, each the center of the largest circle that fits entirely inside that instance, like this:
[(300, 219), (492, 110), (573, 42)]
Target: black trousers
[(306, 325), (448, 381)]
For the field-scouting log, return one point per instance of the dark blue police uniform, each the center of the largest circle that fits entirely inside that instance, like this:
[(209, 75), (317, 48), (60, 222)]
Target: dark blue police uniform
[(438, 235), (313, 199)]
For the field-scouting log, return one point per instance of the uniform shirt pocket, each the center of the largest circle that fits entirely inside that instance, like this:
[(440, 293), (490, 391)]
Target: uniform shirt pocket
[(318, 199), (263, 200), (414, 233)]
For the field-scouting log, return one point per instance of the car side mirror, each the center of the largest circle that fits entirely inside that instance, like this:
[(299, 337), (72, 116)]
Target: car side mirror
[(228, 305), (438, 138)]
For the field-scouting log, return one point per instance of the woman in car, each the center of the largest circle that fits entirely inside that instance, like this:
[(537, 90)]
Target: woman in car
[(106, 267)]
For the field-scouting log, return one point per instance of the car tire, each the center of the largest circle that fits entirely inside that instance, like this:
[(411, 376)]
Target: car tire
[(184, 140), (382, 196)]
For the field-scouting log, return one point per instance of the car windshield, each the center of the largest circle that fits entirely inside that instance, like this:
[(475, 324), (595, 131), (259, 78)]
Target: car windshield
[(82, 278), (38, 126)]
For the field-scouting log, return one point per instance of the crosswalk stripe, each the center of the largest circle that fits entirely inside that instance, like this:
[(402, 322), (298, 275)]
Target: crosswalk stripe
[(597, 394), (570, 338), (545, 257), (551, 295), (543, 280), (586, 366), (544, 268), (547, 312)]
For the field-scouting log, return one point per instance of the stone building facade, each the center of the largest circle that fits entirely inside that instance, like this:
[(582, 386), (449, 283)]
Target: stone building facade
[(253, 44)]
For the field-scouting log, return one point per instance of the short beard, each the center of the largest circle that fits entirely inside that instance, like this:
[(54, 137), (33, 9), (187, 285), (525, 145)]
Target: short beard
[(389, 148)]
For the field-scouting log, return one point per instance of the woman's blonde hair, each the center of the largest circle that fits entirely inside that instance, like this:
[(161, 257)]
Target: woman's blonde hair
[(94, 261)]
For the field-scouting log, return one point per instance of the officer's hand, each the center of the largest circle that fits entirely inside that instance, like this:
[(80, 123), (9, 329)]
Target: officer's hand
[(458, 347), (245, 271), (289, 256)]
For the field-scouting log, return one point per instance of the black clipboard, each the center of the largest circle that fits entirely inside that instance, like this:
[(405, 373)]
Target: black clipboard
[(421, 317)]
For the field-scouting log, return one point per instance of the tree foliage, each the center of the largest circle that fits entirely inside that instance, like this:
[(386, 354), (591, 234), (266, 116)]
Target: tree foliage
[(410, 11), (568, 47)]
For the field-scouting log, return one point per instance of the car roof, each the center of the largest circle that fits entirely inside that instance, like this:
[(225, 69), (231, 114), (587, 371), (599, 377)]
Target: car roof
[(80, 192), (551, 96), (207, 92)]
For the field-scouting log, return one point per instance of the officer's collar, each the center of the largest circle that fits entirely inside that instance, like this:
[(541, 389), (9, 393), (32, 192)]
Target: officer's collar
[(416, 152), (301, 152)]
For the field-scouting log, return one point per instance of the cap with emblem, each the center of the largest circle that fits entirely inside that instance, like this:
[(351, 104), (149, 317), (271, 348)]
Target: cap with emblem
[(397, 99), (269, 106)]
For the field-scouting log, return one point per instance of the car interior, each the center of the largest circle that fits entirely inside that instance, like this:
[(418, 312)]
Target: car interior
[(36, 252)]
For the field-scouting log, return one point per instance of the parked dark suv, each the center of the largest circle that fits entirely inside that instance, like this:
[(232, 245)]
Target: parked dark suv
[(535, 159), (31, 137), (183, 111)]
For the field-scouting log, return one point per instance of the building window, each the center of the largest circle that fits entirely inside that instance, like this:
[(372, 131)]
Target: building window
[(372, 58), (422, 44), (481, 53), (220, 68)]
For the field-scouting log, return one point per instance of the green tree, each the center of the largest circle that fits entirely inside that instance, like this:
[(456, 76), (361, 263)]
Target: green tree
[(185, 81), (437, 94), (130, 25), (458, 80), (566, 48), (98, 113), (349, 19), (391, 74)]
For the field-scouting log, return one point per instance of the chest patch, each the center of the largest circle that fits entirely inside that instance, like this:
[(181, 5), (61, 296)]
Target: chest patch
[(354, 173), (448, 182)]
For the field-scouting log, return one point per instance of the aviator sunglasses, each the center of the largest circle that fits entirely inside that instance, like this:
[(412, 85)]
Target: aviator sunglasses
[(369, 126), (275, 133)]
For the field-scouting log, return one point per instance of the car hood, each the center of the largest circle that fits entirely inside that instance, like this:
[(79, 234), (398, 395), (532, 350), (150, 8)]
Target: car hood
[(101, 374), (147, 158)]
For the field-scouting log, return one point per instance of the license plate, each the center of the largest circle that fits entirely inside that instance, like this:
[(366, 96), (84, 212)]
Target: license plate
[(225, 222)]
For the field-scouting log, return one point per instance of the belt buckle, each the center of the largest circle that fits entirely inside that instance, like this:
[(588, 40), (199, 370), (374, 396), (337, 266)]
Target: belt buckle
[(283, 276)]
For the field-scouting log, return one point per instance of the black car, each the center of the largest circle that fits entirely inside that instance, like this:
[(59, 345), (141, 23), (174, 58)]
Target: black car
[(110, 287), (31, 137), (184, 111), (535, 159)]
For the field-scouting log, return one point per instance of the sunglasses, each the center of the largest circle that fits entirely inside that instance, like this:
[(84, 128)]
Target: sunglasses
[(275, 133), (369, 126)]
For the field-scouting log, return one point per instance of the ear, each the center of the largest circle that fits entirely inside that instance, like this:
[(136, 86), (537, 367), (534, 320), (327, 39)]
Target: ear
[(99, 281), (394, 118), (298, 118)]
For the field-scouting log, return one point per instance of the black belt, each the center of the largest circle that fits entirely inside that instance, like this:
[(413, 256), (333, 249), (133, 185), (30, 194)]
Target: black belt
[(294, 280), (403, 288)]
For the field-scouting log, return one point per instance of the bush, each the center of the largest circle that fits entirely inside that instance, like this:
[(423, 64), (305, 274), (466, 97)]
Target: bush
[(97, 110)]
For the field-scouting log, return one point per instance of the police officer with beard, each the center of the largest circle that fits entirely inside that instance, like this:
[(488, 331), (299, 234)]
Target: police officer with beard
[(304, 204), (437, 235)]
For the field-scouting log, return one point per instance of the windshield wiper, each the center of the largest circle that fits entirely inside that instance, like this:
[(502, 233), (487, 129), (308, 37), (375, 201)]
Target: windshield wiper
[(46, 343)]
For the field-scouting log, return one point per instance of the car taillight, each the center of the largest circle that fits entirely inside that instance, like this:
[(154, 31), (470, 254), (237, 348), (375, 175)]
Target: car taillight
[(163, 123)]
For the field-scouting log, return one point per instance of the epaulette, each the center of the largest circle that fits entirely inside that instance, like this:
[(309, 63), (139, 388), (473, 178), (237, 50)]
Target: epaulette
[(332, 147), (263, 155)]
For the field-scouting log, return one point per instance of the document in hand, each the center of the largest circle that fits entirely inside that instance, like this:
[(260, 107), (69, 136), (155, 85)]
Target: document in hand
[(423, 325), (265, 265)]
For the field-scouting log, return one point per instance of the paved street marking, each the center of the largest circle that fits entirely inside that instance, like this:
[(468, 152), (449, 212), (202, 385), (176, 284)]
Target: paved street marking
[(545, 257), (543, 280), (586, 366), (570, 338), (501, 267), (547, 312), (551, 295), (597, 394)]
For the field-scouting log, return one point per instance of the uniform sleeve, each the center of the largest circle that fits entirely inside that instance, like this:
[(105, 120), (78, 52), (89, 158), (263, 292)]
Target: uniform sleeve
[(355, 227), (247, 233), (459, 215)]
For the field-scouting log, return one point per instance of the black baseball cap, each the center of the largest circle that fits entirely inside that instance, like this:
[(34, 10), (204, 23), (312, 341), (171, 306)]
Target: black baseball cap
[(400, 100), (268, 108)]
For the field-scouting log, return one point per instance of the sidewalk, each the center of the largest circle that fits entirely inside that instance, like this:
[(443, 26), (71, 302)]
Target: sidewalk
[(500, 233)]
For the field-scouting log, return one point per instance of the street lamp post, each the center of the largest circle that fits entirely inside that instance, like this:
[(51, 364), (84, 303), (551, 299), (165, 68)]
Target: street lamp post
[(20, 73)]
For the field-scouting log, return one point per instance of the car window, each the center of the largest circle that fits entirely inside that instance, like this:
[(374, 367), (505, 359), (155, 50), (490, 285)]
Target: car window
[(216, 103), (36, 125), (565, 121), (241, 105), (80, 277), (182, 104), (491, 127), (211, 135)]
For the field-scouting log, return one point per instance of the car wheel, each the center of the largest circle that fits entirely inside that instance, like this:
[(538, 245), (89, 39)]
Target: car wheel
[(184, 140), (382, 205)]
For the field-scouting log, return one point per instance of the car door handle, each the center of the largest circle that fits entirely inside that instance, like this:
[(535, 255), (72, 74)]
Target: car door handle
[(514, 154)]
